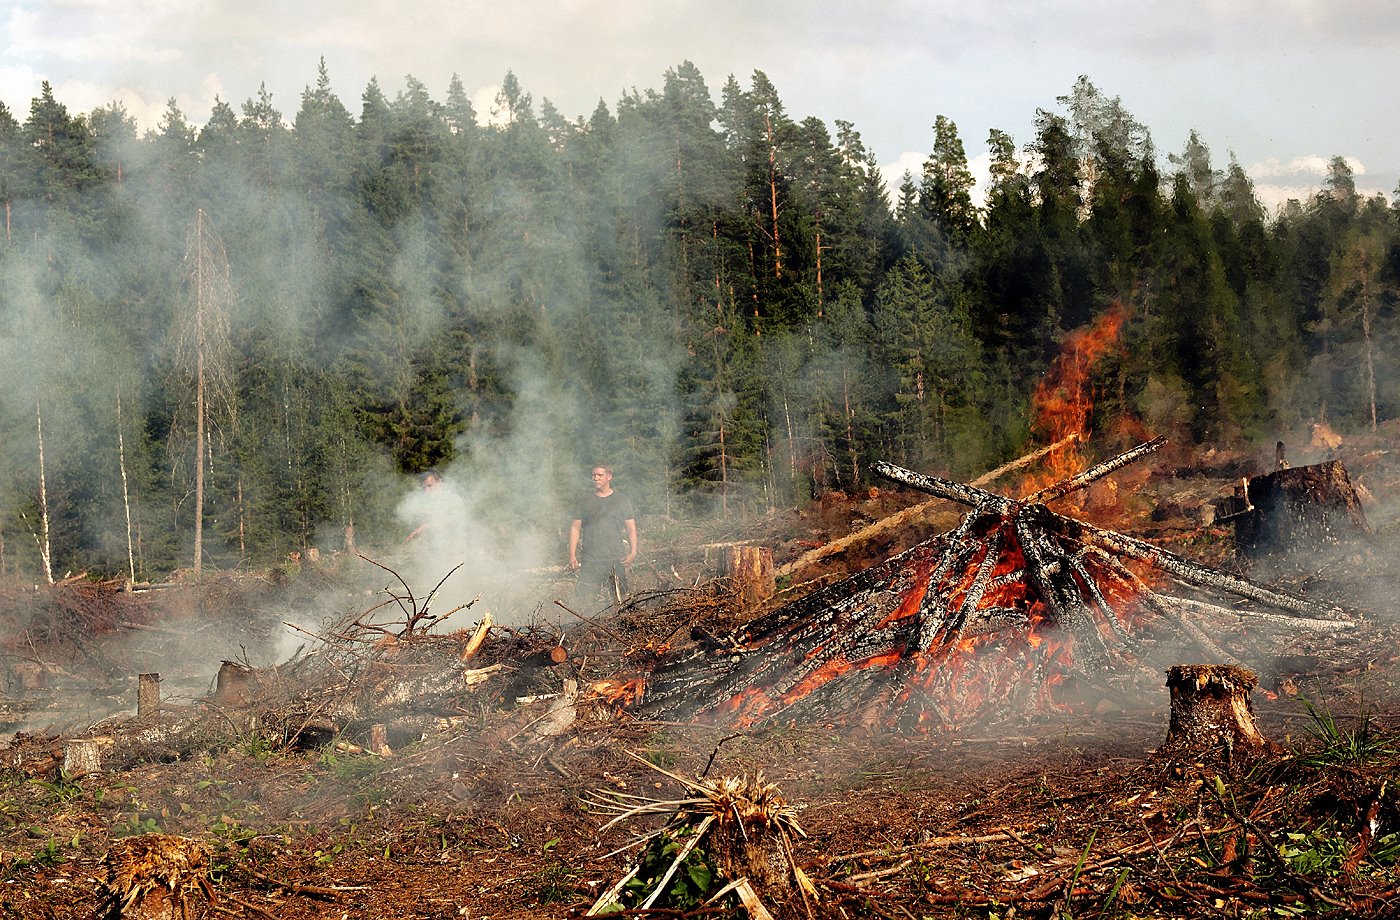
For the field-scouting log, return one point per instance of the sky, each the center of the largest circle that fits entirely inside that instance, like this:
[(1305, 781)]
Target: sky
[(1284, 85)]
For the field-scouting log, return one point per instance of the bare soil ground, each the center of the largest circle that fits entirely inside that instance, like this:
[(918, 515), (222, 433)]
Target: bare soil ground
[(1046, 814)]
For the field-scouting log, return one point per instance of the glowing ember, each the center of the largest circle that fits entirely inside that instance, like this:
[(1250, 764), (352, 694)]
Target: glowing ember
[(619, 692), (1015, 610)]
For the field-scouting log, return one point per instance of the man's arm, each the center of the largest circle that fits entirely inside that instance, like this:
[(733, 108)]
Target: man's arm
[(631, 541), (574, 530)]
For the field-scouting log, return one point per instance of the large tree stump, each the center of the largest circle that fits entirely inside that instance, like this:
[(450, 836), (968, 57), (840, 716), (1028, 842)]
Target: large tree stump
[(82, 756), (1212, 716), (1299, 517), (750, 571), (153, 877)]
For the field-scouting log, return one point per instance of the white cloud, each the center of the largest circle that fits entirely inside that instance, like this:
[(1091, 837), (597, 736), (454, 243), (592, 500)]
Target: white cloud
[(911, 161), (484, 102), (1310, 165), (89, 32)]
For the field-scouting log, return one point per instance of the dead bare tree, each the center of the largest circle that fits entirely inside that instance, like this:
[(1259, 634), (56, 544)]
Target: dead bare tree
[(45, 552), (126, 493), (203, 346)]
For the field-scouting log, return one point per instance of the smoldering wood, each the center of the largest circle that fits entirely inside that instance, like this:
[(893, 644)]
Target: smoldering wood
[(1095, 473), (889, 636), (1299, 516), (914, 512)]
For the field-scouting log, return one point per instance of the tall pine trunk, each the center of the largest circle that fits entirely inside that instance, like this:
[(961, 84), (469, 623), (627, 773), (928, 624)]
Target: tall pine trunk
[(45, 552), (126, 495)]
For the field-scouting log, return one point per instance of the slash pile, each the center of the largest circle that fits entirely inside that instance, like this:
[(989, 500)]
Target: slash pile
[(999, 614)]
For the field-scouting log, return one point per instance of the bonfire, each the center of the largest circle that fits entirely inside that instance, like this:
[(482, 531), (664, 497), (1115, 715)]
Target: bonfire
[(1002, 611)]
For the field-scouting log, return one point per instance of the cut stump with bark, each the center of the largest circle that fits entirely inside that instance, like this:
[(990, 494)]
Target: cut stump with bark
[(750, 572), (147, 697), (1212, 716), (233, 688), (81, 757)]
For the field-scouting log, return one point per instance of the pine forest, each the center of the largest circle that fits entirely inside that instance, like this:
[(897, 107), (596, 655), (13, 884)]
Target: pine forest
[(229, 342)]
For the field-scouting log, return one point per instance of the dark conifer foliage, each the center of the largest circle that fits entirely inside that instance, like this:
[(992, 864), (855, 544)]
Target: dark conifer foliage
[(718, 296)]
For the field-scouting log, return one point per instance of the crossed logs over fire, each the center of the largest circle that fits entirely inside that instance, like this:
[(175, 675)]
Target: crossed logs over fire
[(1002, 611)]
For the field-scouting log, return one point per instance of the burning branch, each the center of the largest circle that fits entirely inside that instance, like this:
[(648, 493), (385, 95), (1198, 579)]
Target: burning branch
[(1010, 604)]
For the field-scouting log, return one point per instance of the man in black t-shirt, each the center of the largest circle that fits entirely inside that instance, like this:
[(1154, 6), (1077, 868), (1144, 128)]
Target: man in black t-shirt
[(603, 541)]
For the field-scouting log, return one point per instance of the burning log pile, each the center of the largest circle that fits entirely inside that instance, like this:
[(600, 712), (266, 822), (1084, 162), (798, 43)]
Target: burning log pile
[(1016, 607)]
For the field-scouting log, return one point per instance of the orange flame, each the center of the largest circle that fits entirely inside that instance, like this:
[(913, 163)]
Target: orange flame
[(959, 678), (1064, 400), (620, 692)]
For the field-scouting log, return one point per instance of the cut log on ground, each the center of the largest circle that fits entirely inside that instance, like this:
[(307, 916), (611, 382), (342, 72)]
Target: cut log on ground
[(1212, 716)]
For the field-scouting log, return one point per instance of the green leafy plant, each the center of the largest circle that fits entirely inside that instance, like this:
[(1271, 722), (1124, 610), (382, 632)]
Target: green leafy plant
[(689, 884), (554, 883), (137, 824), (257, 745), (61, 788), (1321, 851), (50, 854)]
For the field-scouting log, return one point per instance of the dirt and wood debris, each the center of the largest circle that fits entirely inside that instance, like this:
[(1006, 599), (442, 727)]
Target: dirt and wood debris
[(972, 822)]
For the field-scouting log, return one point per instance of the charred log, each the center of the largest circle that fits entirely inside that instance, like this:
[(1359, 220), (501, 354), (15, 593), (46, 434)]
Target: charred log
[(997, 612), (1300, 517)]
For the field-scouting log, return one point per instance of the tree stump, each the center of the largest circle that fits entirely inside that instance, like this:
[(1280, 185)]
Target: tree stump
[(233, 689), (750, 571), (379, 740), (1299, 517), (1212, 716), (26, 676), (147, 697), (82, 756), (153, 876), (747, 839)]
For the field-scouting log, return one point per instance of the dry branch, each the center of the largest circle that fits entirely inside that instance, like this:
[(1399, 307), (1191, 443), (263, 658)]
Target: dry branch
[(912, 513)]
